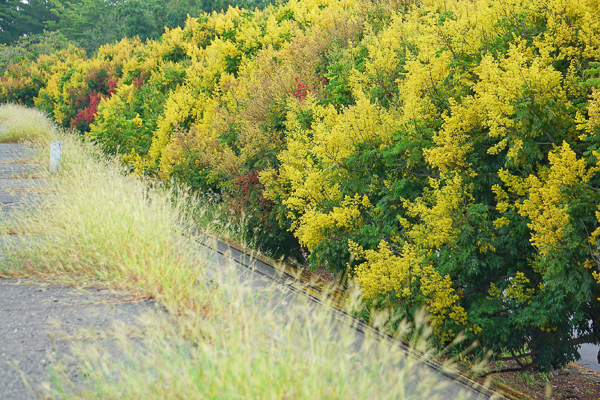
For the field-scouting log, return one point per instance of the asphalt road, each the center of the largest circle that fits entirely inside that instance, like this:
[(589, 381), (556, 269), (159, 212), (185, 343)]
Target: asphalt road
[(40, 323), (589, 356)]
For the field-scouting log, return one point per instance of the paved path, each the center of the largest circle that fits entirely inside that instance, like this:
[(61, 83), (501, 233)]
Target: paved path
[(39, 324)]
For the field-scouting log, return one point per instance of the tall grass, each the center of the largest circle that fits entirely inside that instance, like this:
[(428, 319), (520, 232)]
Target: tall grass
[(212, 216), (248, 352), (22, 124), (221, 338), (99, 226)]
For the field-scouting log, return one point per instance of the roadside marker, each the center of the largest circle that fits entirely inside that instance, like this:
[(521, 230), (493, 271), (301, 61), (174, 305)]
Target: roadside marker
[(55, 156)]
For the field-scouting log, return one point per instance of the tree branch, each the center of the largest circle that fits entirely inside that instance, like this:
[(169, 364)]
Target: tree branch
[(417, 174), (589, 338), (515, 358), (517, 369), (554, 142)]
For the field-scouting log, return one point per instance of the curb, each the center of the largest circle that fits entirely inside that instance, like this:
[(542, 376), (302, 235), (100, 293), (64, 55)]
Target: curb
[(257, 265)]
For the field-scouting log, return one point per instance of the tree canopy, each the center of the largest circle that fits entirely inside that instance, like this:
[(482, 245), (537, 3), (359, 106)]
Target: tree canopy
[(92, 23), (19, 18)]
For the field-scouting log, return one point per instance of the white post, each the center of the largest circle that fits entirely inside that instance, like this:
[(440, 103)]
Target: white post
[(55, 156)]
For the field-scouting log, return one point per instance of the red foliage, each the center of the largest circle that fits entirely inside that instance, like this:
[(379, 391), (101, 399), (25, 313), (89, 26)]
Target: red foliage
[(301, 90), (87, 115), (112, 86), (97, 79), (138, 82), (87, 103), (247, 186), (245, 196)]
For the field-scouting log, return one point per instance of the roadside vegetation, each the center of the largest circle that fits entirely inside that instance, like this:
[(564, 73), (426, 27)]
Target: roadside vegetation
[(438, 154), (96, 225)]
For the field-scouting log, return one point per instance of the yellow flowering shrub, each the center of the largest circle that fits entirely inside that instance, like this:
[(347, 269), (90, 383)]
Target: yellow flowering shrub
[(440, 153), (475, 148)]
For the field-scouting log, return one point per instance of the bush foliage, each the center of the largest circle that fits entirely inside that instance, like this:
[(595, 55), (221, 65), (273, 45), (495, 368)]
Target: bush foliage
[(441, 153)]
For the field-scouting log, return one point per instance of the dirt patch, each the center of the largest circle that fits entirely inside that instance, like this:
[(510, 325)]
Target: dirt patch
[(574, 382)]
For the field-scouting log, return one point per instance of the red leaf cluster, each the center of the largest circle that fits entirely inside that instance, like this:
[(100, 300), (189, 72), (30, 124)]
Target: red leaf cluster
[(112, 86), (247, 185), (301, 90), (139, 81), (88, 114)]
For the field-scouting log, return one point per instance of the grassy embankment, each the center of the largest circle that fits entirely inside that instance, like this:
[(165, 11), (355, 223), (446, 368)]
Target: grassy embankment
[(96, 226), (20, 124)]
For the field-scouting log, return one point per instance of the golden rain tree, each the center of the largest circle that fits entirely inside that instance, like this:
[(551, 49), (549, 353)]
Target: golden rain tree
[(441, 154)]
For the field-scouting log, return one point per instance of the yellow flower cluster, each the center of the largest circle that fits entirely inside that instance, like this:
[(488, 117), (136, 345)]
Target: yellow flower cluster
[(384, 271), (516, 290), (315, 226), (545, 204)]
